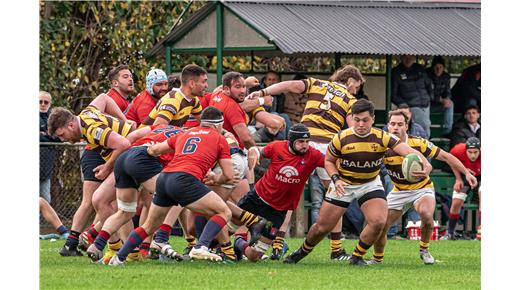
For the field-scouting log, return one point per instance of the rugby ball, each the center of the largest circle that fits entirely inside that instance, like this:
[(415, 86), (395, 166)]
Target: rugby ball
[(411, 163)]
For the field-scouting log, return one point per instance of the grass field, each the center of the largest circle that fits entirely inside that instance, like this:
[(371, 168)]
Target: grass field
[(457, 267)]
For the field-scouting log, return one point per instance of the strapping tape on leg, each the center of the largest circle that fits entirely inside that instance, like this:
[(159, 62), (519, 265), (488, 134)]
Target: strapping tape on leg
[(260, 247), (460, 195), (127, 206)]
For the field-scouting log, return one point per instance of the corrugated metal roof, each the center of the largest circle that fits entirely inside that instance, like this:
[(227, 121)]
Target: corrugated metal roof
[(421, 28), (355, 27)]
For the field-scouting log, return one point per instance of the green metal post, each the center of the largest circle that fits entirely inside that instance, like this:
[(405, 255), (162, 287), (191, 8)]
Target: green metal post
[(220, 41), (388, 82), (168, 59)]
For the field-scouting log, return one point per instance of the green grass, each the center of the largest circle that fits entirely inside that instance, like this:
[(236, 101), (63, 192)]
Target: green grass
[(457, 267)]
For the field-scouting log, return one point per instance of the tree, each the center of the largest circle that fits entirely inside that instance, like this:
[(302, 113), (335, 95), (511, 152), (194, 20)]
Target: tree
[(81, 41)]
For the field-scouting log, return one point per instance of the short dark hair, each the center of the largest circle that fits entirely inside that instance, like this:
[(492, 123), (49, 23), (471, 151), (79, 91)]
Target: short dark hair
[(472, 107), (403, 106), (191, 71), (174, 81), (58, 118), (211, 113), (113, 74), (348, 71), (397, 112), (229, 77), (363, 105)]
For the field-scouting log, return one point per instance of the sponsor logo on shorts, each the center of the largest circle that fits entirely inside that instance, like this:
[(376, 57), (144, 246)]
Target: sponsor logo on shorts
[(288, 174)]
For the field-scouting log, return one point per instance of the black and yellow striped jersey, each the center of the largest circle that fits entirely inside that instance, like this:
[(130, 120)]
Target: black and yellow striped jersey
[(174, 107), (326, 109), (360, 158), (394, 161), (250, 116), (96, 127)]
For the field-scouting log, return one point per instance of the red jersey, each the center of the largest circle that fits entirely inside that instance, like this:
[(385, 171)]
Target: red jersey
[(459, 151), (233, 113), (282, 184), (196, 151), (158, 134), (121, 102), (141, 107)]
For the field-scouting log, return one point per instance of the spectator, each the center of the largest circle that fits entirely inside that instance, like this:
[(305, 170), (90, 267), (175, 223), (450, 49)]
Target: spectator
[(174, 81), (441, 93), (47, 153), (466, 90), (466, 128), (411, 86), (271, 78)]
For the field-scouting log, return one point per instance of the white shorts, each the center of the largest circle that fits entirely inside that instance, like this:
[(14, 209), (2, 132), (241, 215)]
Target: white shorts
[(368, 190), (322, 147), (239, 164), (404, 199)]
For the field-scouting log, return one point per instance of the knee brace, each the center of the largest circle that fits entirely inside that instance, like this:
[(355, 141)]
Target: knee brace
[(127, 206)]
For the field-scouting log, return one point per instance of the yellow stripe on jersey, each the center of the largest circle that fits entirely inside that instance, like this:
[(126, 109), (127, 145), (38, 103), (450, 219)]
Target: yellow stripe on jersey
[(175, 108), (250, 116), (394, 161), (327, 108), (360, 158), (96, 127)]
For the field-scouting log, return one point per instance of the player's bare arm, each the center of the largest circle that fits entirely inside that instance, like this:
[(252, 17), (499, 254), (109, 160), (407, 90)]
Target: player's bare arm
[(244, 135), (160, 148), (457, 167), (118, 144), (332, 171)]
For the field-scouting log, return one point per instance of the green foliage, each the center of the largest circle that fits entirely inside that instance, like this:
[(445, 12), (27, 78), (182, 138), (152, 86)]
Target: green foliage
[(81, 41), (457, 267)]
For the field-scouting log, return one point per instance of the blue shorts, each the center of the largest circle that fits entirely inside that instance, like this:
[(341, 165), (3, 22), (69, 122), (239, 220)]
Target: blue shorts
[(254, 204), (134, 167), (178, 188), (90, 160)]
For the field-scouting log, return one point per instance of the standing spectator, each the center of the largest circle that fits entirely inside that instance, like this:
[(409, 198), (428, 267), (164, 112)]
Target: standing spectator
[(145, 101), (441, 93), (466, 128), (411, 86), (47, 153), (466, 90)]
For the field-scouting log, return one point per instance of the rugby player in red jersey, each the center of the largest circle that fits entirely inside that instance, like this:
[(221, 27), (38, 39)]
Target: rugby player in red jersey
[(280, 189), (180, 183), (145, 101), (133, 168), (469, 154)]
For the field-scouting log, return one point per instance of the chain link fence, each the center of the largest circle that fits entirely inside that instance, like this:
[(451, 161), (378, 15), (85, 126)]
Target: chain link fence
[(60, 163)]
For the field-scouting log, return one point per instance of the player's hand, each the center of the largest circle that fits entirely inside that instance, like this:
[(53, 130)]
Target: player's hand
[(254, 95), (446, 102), (132, 123), (101, 172), (268, 100), (209, 179), (236, 177), (427, 169), (253, 158), (458, 185), (251, 82), (340, 188), (472, 180)]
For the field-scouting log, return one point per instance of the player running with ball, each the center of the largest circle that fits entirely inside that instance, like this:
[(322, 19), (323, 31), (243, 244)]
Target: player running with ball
[(419, 194)]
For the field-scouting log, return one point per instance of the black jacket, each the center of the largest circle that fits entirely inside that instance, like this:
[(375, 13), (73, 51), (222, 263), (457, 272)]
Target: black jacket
[(411, 86), (466, 88), (461, 132), (441, 86), (47, 153)]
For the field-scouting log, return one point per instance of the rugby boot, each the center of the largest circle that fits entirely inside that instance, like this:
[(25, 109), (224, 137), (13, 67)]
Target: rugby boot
[(357, 261), (202, 253), (94, 254), (426, 257), (257, 228), (295, 256), (277, 254), (66, 252), (340, 255)]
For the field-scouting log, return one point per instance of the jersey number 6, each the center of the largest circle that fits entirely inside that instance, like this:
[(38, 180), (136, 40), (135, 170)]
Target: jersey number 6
[(191, 145)]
